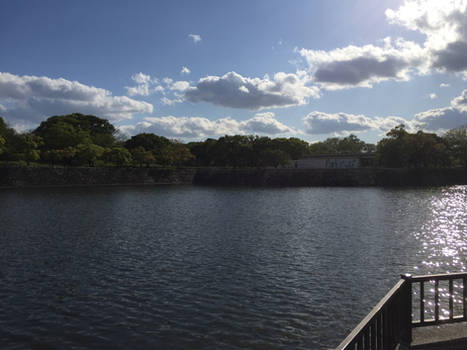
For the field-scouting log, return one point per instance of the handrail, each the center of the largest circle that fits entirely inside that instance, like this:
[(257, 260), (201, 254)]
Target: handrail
[(440, 276), (376, 329), (391, 321), (438, 297)]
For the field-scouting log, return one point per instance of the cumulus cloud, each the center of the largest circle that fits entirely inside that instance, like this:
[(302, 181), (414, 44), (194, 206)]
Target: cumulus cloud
[(200, 127), (179, 85), (141, 78), (177, 88), (142, 89), (442, 119), (177, 98), (145, 85), (443, 85), (185, 70), (29, 99), (337, 123), (435, 120), (343, 123), (444, 25), (195, 37), (264, 123), (363, 66), (432, 96), (460, 102), (236, 91)]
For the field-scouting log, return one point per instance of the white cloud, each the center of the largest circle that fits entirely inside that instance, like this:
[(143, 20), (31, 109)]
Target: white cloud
[(265, 123), (167, 81), (141, 78), (337, 123), (158, 88), (435, 120), (172, 101), (200, 127), (460, 102), (344, 123), (244, 89), (236, 91), (442, 22), (442, 119), (362, 66), (443, 85), (28, 99), (145, 85), (185, 70), (432, 96), (179, 85), (195, 37), (142, 89), (384, 124)]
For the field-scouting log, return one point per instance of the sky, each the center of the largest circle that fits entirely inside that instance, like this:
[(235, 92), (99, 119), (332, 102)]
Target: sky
[(190, 70)]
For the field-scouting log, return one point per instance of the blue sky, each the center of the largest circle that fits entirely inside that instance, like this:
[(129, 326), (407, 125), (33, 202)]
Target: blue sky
[(196, 69)]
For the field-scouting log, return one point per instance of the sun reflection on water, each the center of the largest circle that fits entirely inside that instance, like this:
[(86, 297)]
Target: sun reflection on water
[(443, 237)]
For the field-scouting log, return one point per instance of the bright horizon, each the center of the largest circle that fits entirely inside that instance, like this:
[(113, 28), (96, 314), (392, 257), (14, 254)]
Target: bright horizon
[(308, 69)]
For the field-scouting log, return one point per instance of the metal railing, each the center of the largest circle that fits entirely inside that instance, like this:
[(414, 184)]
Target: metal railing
[(391, 321), (446, 304)]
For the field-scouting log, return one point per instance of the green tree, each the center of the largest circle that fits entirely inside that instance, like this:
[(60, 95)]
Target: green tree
[(73, 129), (118, 155), (235, 151), (203, 151), (293, 146), (8, 140), (456, 143), (350, 144), (392, 150), (274, 157), (334, 145), (68, 139), (159, 146), (420, 150), (27, 147), (181, 154), (142, 156), (426, 151), (2, 144), (60, 156), (88, 153)]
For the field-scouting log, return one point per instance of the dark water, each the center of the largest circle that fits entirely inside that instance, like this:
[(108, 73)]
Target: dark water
[(212, 268)]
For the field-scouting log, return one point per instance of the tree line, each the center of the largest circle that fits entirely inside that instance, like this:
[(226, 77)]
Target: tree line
[(87, 140)]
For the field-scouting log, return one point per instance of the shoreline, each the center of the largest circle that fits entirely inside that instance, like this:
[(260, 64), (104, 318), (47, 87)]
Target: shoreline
[(21, 177)]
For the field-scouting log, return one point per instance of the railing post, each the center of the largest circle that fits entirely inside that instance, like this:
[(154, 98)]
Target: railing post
[(406, 312)]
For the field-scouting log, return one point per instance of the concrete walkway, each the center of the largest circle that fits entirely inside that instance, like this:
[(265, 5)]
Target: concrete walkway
[(444, 337)]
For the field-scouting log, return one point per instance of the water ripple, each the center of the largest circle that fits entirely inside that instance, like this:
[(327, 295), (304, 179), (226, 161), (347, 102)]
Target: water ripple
[(212, 268)]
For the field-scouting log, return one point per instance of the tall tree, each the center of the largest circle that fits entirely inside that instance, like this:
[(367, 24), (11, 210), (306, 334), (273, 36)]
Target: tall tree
[(456, 142), (159, 146), (63, 131), (27, 147), (420, 150)]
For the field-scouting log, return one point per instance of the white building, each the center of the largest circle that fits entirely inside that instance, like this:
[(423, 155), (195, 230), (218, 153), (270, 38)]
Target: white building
[(336, 161)]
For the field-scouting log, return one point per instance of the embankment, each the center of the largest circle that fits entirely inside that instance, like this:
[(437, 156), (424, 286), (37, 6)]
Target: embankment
[(331, 177), (62, 176), (77, 176)]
